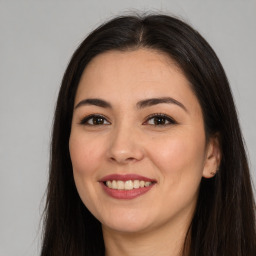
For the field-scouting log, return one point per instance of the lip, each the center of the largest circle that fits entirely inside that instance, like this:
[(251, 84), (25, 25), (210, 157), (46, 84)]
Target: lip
[(126, 194)]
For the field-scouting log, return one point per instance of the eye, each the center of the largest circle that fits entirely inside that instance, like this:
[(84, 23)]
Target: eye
[(94, 120), (159, 120)]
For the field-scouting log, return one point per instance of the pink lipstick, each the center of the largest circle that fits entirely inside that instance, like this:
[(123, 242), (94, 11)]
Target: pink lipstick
[(127, 186)]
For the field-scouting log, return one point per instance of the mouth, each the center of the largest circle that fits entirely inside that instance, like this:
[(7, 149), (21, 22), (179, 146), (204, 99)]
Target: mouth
[(126, 186)]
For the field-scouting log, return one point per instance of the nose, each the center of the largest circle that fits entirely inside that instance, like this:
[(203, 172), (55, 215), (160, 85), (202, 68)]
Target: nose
[(125, 146)]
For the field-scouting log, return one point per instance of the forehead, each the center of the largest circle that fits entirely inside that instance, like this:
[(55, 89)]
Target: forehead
[(134, 75), (142, 64)]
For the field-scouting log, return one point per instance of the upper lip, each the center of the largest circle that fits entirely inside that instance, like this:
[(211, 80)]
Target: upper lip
[(125, 177)]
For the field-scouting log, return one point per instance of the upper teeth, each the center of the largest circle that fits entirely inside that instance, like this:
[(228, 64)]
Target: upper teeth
[(127, 185)]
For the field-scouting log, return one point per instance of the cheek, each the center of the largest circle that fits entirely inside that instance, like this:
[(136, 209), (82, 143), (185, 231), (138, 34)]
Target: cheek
[(179, 155), (85, 154), (180, 159), (85, 157)]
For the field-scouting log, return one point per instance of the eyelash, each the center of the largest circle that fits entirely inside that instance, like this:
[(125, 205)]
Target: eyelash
[(164, 117), (85, 121)]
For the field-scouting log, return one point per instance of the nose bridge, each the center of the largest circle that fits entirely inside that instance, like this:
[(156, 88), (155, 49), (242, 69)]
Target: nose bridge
[(124, 144)]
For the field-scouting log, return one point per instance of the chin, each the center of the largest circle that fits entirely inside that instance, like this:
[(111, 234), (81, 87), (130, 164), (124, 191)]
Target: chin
[(127, 224)]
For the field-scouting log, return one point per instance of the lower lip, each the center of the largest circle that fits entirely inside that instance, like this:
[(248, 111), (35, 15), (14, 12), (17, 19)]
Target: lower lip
[(126, 194)]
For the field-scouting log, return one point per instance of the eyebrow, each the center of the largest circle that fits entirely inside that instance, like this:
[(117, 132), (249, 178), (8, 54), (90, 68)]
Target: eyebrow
[(95, 102), (141, 104), (155, 101)]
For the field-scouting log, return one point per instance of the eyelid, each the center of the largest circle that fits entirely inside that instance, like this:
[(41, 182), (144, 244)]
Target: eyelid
[(167, 117), (171, 121), (85, 119)]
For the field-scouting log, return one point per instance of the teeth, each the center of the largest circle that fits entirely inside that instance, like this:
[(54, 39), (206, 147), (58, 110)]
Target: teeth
[(127, 185), (109, 184), (147, 183), (136, 184), (120, 184), (114, 184)]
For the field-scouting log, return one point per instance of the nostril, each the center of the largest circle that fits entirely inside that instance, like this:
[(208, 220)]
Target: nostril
[(130, 159), (122, 159)]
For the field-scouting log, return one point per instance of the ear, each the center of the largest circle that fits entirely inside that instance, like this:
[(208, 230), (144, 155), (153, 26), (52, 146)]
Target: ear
[(213, 157)]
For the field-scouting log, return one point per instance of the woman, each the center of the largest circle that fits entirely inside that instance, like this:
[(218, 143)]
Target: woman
[(147, 155)]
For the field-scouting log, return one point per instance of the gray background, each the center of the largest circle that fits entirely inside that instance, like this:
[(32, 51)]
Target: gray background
[(37, 40)]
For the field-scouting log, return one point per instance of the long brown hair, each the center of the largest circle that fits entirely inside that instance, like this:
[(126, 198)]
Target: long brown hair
[(224, 219)]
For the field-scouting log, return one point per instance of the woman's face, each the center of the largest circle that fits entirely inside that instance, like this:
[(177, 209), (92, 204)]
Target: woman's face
[(137, 142)]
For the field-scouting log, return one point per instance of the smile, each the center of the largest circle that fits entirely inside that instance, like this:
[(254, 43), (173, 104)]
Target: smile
[(127, 185)]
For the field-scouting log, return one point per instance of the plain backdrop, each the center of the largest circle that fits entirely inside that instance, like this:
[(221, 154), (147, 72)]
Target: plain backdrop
[(37, 39)]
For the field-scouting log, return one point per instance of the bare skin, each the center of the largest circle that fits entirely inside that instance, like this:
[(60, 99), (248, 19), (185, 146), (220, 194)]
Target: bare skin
[(145, 121)]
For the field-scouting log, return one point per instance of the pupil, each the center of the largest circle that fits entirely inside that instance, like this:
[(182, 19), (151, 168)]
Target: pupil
[(98, 120), (159, 120)]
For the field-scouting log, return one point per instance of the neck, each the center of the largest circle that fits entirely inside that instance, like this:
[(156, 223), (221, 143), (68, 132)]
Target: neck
[(162, 241)]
